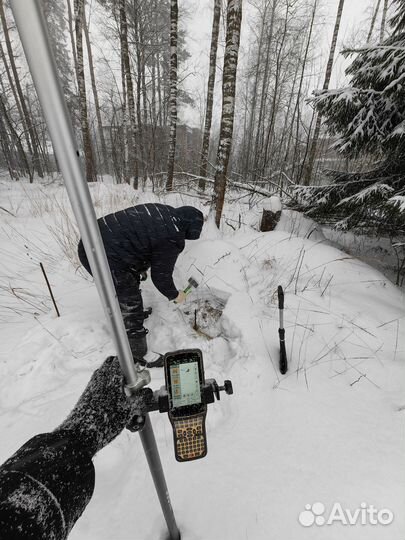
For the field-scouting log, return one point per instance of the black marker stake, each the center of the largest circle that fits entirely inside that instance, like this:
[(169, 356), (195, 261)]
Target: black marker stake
[(281, 332)]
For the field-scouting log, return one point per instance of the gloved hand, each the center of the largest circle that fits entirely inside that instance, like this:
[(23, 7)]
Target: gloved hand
[(180, 298), (103, 410)]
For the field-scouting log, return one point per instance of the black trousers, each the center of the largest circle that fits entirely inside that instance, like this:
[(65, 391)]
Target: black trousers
[(130, 299), (126, 282)]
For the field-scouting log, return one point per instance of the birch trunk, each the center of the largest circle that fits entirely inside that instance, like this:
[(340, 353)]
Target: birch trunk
[(296, 108), (124, 127), (210, 93), (133, 161), (153, 89), (373, 19), (81, 84), (286, 130), (143, 78), (72, 37), (328, 74), (174, 13), (138, 41), (383, 20), (254, 94), (233, 25), (262, 112), (269, 137), (159, 91), (106, 166)]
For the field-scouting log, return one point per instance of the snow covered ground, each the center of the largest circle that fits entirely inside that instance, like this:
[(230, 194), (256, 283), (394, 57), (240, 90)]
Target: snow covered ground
[(377, 252), (330, 431)]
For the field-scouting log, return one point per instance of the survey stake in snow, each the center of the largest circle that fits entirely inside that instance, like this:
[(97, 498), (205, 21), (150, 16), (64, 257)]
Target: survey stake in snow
[(281, 332)]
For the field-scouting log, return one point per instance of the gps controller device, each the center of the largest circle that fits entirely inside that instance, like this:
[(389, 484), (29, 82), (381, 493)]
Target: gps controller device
[(185, 397), (184, 374)]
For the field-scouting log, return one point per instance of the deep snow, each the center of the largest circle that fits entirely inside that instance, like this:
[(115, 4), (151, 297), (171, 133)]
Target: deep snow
[(329, 431)]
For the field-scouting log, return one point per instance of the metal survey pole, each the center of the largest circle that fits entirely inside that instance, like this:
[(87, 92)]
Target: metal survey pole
[(34, 38)]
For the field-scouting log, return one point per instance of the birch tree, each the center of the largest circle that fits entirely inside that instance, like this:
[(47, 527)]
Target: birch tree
[(126, 65), (104, 154), (328, 74), (265, 83), (253, 99), (174, 13), (373, 20), (300, 87), (277, 89), (210, 93), (277, 75), (233, 27), (72, 36), (139, 78), (81, 84), (383, 20)]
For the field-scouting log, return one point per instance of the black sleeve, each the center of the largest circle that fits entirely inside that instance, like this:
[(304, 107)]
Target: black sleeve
[(164, 258), (45, 487)]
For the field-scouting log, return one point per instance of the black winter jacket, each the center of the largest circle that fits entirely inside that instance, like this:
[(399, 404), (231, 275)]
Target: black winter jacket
[(45, 487), (148, 236)]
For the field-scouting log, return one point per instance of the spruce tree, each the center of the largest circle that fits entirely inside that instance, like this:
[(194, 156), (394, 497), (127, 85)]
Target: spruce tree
[(57, 27), (368, 117)]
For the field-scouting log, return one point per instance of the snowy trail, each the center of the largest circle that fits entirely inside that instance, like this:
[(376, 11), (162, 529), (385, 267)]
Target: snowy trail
[(329, 431)]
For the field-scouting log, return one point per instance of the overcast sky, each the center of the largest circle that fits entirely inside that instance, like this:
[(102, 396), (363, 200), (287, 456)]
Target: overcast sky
[(356, 15)]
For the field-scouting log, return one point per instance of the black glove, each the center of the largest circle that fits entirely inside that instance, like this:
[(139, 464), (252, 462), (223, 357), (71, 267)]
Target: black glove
[(103, 409)]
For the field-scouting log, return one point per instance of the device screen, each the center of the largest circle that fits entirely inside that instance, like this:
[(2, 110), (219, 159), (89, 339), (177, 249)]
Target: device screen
[(184, 373), (185, 384)]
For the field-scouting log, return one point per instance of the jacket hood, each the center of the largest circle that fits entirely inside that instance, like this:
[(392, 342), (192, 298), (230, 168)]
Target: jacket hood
[(192, 221)]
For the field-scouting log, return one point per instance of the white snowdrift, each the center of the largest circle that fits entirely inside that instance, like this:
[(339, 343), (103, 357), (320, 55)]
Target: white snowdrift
[(329, 431)]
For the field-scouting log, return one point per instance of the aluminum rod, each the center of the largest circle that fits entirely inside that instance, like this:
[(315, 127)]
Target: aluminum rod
[(34, 38), (155, 466)]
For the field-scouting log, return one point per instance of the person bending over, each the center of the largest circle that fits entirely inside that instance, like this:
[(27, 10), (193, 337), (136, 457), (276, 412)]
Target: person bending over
[(136, 239)]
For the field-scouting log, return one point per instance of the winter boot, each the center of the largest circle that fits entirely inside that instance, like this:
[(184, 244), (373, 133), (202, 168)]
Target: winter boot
[(154, 360), (137, 342)]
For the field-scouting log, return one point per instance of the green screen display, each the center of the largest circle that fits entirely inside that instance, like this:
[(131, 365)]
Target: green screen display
[(185, 384)]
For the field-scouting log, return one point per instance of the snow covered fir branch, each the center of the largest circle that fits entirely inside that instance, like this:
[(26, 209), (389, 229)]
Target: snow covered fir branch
[(368, 119)]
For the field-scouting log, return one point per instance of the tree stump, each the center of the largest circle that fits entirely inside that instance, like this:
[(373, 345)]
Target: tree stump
[(271, 214)]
